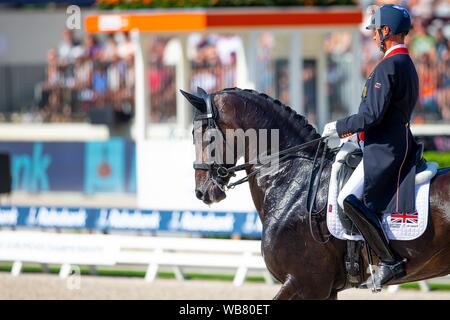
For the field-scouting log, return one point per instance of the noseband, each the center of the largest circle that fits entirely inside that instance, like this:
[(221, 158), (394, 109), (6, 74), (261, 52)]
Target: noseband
[(218, 173)]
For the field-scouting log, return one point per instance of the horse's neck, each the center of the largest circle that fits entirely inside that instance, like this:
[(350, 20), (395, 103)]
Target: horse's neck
[(258, 189), (262, 187), (280, 138), (284, 191), (268, 140)]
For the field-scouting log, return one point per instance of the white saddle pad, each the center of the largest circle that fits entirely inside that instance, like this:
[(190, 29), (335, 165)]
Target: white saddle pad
[(396, 226)]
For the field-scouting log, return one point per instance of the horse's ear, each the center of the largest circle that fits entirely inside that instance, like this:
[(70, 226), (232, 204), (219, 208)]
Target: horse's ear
[(201, 91), (198, 102)]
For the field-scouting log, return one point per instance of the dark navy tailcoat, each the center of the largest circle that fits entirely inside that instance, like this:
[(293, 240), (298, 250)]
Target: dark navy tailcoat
[(389, 96)]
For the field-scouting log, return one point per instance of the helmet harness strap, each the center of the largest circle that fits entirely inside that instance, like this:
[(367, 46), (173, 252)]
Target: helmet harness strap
[(379, 26), (382, 39)]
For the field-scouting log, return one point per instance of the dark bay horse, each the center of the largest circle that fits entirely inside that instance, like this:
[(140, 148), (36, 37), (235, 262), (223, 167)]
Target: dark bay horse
[(307, 268)]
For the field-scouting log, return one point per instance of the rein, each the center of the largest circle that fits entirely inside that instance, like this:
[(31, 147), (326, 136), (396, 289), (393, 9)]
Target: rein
[(218, 173), (284, 153)]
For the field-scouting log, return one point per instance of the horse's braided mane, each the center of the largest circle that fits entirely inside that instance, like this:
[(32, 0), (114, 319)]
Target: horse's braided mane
[(290, 118)]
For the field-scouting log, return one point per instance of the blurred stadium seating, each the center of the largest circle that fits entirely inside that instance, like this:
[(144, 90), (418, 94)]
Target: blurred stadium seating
[(91, 78)]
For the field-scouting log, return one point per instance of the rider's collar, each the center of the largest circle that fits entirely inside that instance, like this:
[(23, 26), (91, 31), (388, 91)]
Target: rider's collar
[(399, 48)]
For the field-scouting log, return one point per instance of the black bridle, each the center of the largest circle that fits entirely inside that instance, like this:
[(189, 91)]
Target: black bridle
[(219, 174)]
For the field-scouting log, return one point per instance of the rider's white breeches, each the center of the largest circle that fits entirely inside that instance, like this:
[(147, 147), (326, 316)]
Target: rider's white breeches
[(354, 185)]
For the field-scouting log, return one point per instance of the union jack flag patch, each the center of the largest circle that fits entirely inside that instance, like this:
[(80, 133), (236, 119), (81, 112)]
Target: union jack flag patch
[(411, 218)]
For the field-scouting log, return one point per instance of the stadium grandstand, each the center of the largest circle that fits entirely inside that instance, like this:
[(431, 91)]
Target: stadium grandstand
[(84, 73)]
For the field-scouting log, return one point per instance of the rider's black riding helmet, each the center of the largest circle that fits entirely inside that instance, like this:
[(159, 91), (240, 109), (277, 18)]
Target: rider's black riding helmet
[(396, 17)]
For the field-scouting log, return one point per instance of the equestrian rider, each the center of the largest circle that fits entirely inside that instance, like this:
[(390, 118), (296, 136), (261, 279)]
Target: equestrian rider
[(388, 99)]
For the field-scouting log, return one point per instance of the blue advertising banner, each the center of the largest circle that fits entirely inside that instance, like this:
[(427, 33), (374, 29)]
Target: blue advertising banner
[(115, 219), (89, 167)]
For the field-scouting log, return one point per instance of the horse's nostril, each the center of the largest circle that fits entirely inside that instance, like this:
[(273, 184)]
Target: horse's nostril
[(199, 194)]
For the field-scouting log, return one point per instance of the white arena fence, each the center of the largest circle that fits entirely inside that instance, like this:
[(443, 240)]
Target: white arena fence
[(70, 250)]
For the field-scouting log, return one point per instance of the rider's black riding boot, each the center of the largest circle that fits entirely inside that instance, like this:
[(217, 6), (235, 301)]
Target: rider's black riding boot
[(367, 222)]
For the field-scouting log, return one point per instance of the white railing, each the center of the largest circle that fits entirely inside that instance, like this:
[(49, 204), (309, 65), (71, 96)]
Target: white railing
[(110, 250), (70, 250), (53, 132)]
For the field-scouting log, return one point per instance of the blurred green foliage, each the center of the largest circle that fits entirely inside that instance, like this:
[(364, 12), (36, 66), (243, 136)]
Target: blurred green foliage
[(443, 158), (140, 4)]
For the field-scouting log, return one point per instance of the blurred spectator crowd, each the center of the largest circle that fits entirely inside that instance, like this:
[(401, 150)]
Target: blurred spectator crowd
[(91, 80), (212, 65), (213, 61)]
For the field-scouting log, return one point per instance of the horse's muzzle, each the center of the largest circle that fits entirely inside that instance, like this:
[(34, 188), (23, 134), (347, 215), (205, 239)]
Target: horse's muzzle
[(199, 194), (210, 195)]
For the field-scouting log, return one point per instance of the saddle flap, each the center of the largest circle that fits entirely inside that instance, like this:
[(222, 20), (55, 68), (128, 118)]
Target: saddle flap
[(427, 171)]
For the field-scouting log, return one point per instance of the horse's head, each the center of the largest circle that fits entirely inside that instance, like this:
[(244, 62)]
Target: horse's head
[(211, 118), (235, 123)]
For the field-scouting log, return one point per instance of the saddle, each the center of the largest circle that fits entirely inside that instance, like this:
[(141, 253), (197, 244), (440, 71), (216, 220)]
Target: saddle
[(425, 171), (349, 157)]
